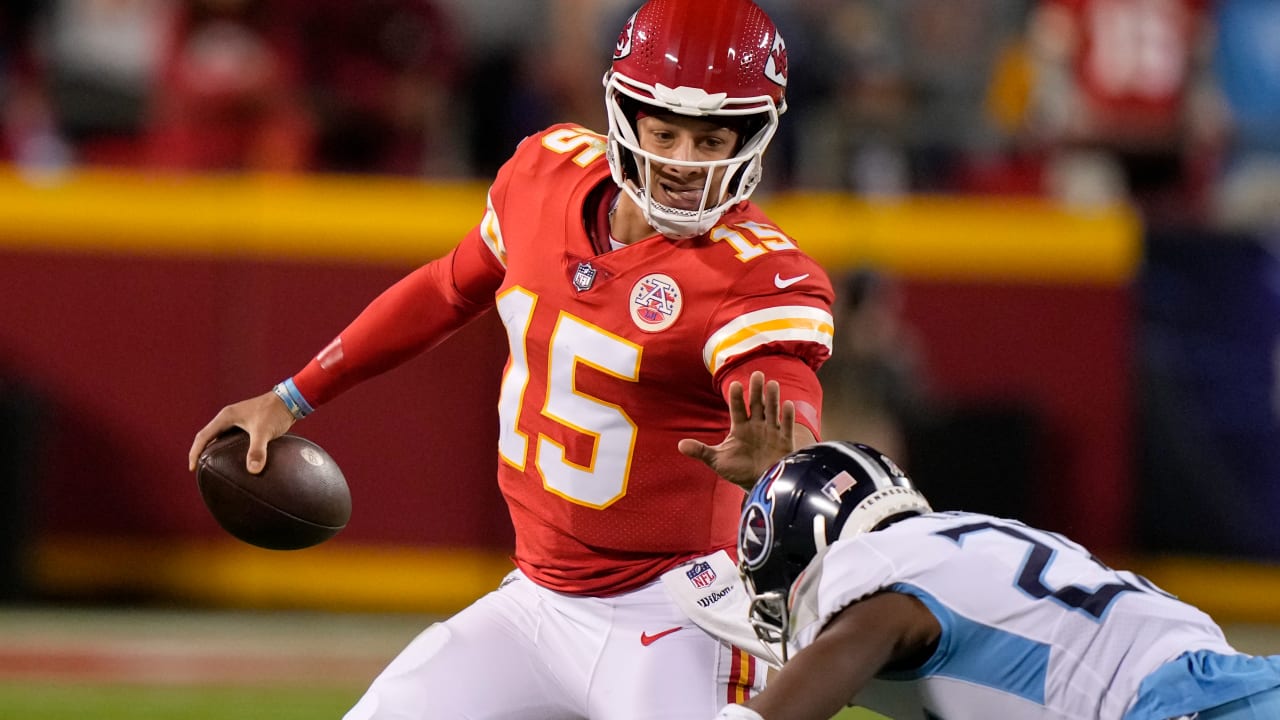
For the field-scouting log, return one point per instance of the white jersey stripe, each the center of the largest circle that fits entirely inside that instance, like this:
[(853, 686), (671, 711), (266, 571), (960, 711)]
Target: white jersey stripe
[(491, 232), (789, 323)]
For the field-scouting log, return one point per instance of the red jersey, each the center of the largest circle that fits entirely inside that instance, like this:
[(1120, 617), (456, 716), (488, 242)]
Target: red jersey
[(1134, 61), (615, 357)]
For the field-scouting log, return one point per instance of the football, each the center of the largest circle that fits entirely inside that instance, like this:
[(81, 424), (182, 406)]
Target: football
[(300, 498)]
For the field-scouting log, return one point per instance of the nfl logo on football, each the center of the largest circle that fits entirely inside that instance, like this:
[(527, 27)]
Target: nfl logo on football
[(701, 575)]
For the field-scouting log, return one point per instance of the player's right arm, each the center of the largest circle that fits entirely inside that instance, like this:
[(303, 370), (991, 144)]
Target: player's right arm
[(886, 629), (408, 318)]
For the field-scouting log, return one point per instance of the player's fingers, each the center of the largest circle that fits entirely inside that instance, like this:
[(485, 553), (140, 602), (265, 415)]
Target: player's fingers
[(695, 449), (737, 404), (772, 396), (256, 459), (203, 438), (756, 394), (789, 421)]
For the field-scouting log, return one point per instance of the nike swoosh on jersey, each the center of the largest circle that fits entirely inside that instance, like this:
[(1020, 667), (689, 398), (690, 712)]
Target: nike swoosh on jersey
[(788, 282), (646, 639)]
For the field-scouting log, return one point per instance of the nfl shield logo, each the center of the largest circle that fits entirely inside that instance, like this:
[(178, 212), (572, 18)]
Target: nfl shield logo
[(583, 278), (701, 575)]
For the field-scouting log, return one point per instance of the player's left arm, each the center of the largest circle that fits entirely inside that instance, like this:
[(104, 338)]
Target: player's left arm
[(763, 426), (888, 629), (775, 320)]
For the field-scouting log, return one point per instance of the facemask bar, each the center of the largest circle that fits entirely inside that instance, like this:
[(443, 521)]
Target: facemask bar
[(741, 172), (769, 617)]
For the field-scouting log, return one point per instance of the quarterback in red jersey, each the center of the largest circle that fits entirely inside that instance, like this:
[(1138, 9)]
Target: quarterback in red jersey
[(641, 291)]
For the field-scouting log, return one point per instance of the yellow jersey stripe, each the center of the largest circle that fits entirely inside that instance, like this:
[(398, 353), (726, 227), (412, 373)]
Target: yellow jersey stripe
[(491, 232), (791, 323)]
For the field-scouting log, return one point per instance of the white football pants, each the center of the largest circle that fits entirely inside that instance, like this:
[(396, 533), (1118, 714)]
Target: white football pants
[(523, 652)]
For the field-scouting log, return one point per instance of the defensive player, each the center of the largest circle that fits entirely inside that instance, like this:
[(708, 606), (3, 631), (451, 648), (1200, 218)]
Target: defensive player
[(845, 561), (639, 289)]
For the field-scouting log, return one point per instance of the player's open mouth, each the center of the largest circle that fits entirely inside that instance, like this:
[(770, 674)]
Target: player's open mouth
[(681, 198)]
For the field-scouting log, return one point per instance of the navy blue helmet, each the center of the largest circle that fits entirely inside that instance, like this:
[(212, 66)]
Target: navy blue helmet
[(805, 502)]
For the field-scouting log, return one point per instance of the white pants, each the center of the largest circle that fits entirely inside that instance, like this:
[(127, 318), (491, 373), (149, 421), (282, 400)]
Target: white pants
[(523, 652)]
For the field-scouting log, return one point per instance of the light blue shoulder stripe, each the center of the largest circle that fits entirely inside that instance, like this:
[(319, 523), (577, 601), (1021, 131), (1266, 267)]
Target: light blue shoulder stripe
[(980, 654), (1200, 680)]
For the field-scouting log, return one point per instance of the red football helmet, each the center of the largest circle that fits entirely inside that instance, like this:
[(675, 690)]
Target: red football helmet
[(699, 58)]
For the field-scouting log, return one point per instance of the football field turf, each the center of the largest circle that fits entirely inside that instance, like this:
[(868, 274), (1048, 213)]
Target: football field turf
[(171, 664), (68, 701), (130, 664)]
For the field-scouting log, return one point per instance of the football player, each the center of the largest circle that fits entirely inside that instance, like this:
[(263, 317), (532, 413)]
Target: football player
[(847, 565), (640, 289)]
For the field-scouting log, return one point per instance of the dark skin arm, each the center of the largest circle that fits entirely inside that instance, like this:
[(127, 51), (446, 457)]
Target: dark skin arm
[(887, 629)]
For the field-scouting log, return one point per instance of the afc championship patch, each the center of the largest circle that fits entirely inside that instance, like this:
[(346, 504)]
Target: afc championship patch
[(701, 574), (656, 302)]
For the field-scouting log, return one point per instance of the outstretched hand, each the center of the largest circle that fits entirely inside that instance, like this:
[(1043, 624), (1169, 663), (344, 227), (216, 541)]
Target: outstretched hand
[(761, 432)]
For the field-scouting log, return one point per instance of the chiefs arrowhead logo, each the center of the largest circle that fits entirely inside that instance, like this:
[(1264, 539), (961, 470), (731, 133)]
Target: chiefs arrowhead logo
[(775, 68), (623, 47)]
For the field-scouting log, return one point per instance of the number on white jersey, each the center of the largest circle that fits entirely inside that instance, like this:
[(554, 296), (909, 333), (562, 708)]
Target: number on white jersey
[(1040, 550)]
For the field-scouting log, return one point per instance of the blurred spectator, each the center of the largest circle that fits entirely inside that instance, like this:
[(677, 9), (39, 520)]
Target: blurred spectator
[(230, 97), (852, 101), (873, 385), (952, 48), (895, 100), (1247, 68), (978, 454), (1009, 158), (532, 64), (28, 131), (1119, 84), (25, 416), (381, 75), (99, 63), (585, 39)]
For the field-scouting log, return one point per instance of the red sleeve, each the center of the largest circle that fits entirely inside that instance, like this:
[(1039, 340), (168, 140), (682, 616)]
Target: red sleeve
[(410, 317), (798, 381)]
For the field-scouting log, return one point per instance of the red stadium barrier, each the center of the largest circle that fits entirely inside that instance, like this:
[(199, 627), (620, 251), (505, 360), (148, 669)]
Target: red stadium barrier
[(137, 306)]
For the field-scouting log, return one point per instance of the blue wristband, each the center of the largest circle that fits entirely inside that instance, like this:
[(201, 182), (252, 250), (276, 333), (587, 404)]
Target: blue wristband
[(297, 405)]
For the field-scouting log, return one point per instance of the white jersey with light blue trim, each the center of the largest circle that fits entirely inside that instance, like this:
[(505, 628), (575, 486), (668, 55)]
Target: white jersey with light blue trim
[(1033, 626)]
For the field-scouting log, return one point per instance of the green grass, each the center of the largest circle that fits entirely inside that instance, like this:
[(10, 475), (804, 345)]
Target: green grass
[(75, 701), (856, 713)]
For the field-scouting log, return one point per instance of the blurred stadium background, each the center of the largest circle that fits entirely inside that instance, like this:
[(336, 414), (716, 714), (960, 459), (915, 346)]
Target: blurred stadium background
[(1051, 223)]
